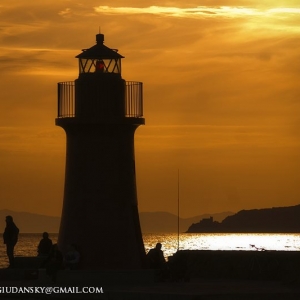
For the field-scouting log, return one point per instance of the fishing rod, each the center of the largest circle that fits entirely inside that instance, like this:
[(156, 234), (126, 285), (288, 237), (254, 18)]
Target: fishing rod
[(178, 211)]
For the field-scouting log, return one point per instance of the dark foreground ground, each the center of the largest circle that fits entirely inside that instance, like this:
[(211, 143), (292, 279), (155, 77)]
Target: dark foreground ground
[(196, 289), (191, 275)]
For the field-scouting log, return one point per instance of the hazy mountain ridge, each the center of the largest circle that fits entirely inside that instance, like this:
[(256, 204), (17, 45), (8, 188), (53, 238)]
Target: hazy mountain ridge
[(150, 221), (32, 223), (167, 222), (268, 220)]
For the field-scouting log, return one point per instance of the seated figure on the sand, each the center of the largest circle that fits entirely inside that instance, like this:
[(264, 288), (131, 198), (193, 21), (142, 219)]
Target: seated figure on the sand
[(45, 245), (54, 262), (72, 258), (155, 257)]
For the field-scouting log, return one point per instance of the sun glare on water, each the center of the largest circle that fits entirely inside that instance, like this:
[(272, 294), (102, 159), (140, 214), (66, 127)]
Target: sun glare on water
[(224, 241)]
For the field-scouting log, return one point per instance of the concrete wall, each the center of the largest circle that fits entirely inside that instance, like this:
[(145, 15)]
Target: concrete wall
[(269, 265)]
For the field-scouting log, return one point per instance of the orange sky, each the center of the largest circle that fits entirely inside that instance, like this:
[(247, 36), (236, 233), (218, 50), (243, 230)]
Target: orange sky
[(221, 99)]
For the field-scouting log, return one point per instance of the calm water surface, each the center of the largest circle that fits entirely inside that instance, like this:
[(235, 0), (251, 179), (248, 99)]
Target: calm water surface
[(28, 242)]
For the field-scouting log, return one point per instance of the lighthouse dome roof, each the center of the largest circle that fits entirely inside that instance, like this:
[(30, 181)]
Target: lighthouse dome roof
[(99, 50)]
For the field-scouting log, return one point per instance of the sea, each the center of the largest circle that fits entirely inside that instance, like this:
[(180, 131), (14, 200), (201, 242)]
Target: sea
[(27, 243)]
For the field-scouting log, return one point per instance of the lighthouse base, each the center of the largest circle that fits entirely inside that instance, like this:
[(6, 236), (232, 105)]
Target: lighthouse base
[(100, 213)]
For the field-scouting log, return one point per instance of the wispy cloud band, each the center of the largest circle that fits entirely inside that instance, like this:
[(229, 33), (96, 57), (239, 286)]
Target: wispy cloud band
[(199, 11)]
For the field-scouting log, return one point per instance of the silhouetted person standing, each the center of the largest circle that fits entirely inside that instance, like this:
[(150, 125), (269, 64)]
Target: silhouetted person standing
[(10, 237), (45, 245)]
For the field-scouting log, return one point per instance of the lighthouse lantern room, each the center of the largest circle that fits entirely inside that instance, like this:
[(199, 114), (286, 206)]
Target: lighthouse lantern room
[(99, 59)]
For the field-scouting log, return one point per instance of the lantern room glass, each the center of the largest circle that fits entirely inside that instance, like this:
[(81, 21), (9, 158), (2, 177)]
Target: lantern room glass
[(96, 65)]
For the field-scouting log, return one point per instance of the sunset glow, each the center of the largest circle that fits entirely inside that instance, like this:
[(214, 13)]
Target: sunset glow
[(221, 99), (197, 12)]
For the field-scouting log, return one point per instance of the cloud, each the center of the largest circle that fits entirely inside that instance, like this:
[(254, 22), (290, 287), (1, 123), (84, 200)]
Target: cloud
[(65, 13), (199, 11)]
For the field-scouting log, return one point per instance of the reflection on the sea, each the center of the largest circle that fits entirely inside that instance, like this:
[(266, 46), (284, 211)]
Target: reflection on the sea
[(27, 244), (224, 241)]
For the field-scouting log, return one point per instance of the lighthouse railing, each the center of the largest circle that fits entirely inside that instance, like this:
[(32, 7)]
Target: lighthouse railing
[(66, 99), (133, 99)]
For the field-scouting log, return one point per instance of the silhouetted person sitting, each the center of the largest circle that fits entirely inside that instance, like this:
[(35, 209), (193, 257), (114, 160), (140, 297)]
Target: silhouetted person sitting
[(72, 258), (45, 245), (54, 262), (156, 258), (10, 237)]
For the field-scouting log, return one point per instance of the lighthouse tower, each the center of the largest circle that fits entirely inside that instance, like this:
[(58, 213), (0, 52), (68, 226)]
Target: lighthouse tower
[(100, 112)]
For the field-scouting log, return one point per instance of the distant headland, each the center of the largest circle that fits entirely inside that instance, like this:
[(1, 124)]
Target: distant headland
[(268, 220), (151, 222)]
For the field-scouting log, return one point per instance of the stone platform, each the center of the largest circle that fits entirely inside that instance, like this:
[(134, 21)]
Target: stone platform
[(196, 289), (258, 265), (193, 275)]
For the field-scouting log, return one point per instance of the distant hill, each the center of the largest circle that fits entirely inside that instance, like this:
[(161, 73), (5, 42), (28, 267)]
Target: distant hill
[(267, 220), (167, 222), (31, 223), (150, 221)]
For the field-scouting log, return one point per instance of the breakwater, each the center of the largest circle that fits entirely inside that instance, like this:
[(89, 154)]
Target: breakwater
[(260, 265), (194, 274)]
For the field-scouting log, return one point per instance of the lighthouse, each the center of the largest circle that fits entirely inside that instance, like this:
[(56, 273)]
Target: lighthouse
[(100, 112)]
